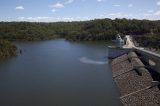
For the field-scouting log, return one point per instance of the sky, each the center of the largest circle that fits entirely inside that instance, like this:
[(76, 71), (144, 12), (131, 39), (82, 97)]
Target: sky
[(77, 10)]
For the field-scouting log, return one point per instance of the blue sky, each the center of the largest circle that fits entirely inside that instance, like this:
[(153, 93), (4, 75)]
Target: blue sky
[(77, 10)]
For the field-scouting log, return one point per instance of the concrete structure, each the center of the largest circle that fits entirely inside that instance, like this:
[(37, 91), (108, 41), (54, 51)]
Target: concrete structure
[(119, 41), (137, 75)]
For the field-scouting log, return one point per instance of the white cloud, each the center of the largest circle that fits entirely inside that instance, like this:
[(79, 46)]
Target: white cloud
[(57, 5), (69, 1), (32, 18), (151, 16), (19, 8), (147, 14), (54, 10), (100, 0), (158, 3), (157, 13), (150, 11), (115, 14), (118, 15), (116, 5), (130, 5), (52, 19), (111, 14)]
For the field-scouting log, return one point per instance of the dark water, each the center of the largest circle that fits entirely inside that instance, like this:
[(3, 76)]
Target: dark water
[(58, 73)]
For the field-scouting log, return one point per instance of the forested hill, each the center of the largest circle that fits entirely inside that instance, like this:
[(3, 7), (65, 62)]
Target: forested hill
[(147, 32)]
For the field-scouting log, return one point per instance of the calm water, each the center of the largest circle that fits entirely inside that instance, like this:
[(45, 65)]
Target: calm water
[(58, 73)]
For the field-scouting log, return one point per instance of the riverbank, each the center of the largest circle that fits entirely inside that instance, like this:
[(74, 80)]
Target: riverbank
[(7, 49)]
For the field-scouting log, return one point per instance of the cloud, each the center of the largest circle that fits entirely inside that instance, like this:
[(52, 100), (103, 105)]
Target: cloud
[(32, 18), (19, 8), (100, 0), (57, 5), (151, 16), (117, 15), (130, 5), (157, 13), (116, 5), (69, 1), (54, 10), (158, 3), (52, 19), (150, 11), (147, 14)]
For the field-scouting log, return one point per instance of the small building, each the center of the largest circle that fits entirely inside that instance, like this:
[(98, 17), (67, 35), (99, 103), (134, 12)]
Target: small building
[(119, 41)]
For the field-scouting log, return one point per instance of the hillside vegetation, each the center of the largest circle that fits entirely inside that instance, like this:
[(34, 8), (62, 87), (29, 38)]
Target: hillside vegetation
[(146, 32)]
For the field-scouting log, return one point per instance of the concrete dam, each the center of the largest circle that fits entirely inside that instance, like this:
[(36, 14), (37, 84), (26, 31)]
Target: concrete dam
[(136, 73)]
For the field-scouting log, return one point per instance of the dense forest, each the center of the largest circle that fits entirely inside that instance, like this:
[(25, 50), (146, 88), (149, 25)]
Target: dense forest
[(145, 32), (99, 29)]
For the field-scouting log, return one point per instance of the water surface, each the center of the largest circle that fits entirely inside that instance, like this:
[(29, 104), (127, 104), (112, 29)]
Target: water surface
[(58, 73)]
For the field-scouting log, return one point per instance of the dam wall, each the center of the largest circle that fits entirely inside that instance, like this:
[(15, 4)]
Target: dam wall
[(149, 57), (135, 77)]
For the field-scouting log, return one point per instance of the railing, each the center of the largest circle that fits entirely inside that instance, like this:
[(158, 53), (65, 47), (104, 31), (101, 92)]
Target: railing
[(152, 59)]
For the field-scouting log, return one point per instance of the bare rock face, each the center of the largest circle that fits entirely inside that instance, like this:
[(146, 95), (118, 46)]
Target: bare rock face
[(134, 81)]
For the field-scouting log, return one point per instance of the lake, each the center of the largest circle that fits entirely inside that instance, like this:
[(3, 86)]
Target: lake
[(58, 73)]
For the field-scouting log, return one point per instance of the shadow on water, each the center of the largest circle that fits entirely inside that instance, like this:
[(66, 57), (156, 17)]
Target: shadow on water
[(86, 60)]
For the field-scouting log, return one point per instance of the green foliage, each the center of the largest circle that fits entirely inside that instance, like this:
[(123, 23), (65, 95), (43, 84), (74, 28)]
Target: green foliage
[(7, 49), (99, 29), (25, 31), (87, 30), (149, 40)]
